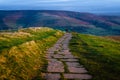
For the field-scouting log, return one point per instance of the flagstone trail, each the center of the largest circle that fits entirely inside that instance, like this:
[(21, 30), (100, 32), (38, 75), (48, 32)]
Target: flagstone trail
[(62, 65)]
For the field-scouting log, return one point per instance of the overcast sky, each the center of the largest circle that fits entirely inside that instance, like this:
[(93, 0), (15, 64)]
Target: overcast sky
[(99, 6)]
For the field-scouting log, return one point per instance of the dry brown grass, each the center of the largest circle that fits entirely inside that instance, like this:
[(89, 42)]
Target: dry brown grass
[(25, 60), (117, 38)]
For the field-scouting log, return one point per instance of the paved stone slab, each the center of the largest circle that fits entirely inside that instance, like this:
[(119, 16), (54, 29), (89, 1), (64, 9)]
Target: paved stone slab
[(51, 76), (73, 64), (66, 51), (69, 60), (68, 56), (55, 66), (77, 76), (62, 52), (77, 70), (58, 56)]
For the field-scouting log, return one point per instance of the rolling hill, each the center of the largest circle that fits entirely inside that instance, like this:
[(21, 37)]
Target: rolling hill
[(74, 21)]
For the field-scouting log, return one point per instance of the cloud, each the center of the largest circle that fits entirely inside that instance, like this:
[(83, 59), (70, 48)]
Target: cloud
[(32, 2), (74, 5)]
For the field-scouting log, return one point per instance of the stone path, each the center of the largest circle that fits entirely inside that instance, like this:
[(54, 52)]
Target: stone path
[(62, 65)]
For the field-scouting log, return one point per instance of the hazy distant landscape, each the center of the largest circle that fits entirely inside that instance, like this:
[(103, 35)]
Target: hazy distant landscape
[(74, 21)]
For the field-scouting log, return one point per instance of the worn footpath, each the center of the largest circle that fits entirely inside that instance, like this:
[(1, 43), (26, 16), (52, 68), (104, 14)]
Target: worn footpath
[(62, 65)]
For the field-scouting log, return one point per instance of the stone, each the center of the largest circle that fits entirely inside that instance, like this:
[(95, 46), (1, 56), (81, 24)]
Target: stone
[(55, 66), (58, 56), (77, 70), (69, 60), (77, 76), (73, 64), (52, 76), (68, 56)]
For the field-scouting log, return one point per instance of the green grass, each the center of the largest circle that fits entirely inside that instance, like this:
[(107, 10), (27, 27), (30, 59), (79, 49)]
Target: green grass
[(22, 53), (10, 39), (101, 56)]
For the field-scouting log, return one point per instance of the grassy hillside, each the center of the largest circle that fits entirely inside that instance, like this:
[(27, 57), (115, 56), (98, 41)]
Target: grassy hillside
[(22, 53), (100, 55)]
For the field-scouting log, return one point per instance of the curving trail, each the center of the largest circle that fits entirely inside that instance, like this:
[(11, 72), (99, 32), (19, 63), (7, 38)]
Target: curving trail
[(62, 65)]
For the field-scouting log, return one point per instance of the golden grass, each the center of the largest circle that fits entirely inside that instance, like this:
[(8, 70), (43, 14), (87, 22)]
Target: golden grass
[(25, 60)]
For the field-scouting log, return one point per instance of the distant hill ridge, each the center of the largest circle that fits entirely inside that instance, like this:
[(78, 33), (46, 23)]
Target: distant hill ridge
[(73, 21)]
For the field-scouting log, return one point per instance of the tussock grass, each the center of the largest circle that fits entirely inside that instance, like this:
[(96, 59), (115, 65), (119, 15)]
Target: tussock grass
[(22, 55), (101, 56)]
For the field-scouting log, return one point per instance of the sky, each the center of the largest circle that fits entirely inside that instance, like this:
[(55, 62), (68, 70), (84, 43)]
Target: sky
[(95, 6)]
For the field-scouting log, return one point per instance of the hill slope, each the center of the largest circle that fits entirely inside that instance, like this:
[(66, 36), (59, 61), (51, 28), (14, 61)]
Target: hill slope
[(75, 21), (22, 53), (100, 55)]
